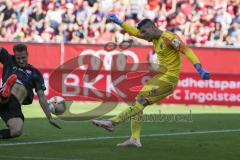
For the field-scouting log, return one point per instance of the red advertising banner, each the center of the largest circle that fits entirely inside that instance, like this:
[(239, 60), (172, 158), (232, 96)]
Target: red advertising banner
[(47, 56), (40, 55), (108, 85), (220, 90)]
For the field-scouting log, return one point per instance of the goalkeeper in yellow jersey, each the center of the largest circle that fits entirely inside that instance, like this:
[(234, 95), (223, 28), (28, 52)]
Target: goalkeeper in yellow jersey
[(169, 49)]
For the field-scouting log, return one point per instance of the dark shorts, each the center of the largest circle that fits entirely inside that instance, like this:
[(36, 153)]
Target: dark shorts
[(11, 109)]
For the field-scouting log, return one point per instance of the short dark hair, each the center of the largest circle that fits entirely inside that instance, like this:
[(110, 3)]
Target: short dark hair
[(144, 21), (20, 47)]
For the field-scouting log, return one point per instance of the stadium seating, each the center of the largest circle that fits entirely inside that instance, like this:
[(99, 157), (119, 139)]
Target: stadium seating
[(199, 23)]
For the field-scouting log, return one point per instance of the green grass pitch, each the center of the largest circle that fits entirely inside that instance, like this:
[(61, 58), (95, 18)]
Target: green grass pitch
[(210, 133)]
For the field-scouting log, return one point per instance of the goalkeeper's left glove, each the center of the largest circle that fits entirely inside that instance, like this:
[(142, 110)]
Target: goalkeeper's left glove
[(203, 73)]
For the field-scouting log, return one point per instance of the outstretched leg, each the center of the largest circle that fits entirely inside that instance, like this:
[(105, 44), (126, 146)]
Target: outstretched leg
[(156, 89)]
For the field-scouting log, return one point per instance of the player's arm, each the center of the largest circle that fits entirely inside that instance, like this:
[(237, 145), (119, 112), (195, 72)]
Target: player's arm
[(191, 56), (44, 105), (3, 55), (40, 88), (133, 31)]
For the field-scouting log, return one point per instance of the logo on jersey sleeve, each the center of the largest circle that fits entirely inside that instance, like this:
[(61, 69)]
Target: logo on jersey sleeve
[(29, 71), (176, 42)]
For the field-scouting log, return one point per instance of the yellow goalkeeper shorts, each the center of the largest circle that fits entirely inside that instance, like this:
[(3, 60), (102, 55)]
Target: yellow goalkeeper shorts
[(157, 88)]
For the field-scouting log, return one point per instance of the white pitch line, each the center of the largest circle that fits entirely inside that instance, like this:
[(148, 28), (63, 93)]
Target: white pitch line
[(118, 137)]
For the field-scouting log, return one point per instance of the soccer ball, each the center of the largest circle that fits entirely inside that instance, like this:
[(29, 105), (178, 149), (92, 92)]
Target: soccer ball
[(57, 105)]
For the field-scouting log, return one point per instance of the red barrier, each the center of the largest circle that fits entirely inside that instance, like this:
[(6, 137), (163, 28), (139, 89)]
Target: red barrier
[(223, 89), (40, 55), (220, 90)]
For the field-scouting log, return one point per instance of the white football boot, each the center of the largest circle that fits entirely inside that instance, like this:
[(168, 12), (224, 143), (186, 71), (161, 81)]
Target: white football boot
[(106, 124), (131, 142)]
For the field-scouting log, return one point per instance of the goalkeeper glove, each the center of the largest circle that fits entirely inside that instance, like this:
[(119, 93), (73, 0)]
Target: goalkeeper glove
[(203, 73), (114, 18)]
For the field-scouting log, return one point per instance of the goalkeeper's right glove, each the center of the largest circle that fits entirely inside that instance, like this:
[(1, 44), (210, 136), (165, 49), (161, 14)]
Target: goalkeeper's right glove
[(114, 18)]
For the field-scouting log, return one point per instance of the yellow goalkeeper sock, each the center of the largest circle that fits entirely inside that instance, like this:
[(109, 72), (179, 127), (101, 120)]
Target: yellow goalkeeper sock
[(136, 122), (129, 112)]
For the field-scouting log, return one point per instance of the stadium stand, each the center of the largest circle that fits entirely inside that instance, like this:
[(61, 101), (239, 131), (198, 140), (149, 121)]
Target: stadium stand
[(198, 22)]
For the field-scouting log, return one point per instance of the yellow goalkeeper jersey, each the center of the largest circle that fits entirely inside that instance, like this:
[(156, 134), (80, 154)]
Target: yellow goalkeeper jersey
[(169, 49)]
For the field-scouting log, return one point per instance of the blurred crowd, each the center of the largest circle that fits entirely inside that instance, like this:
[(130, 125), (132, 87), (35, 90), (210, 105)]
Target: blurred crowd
[(213, 23)]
